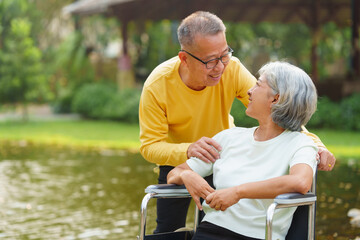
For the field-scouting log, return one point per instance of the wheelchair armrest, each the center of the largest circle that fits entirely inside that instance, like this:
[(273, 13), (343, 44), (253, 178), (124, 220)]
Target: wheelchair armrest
[(168, 190), (295, 198)]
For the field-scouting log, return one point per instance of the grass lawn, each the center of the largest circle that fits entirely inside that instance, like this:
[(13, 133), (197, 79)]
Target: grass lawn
[(340, 143), (104, 134), (76, 133)]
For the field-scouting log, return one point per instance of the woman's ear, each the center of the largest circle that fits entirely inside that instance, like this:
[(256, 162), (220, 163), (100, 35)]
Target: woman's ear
[(276, 98)]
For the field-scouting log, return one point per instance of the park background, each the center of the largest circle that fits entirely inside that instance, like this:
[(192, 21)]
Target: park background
[(69, 93)]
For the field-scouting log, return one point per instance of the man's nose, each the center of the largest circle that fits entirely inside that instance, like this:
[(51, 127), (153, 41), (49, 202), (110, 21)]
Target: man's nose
[(219, 66)]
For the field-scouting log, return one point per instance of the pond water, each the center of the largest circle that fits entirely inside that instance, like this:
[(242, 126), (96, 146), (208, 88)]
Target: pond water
[(56, 193)]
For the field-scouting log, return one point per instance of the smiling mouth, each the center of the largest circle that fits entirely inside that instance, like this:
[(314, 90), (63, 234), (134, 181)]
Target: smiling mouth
[(218, 76)]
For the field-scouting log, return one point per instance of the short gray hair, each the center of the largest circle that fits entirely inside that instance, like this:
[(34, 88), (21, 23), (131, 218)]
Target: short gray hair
[(297, 94), (203, 23)]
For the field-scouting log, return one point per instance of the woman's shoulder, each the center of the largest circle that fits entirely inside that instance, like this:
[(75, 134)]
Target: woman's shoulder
[(299, 138), (235, 132)]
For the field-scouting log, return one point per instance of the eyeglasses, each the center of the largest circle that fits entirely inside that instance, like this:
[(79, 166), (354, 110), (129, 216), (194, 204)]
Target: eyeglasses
[(213, 62)]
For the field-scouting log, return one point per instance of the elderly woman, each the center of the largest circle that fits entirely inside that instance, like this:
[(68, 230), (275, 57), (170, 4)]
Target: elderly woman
[(257, 164)]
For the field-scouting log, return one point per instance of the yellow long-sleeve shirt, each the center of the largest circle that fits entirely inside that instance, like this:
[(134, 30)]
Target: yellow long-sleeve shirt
[(172, 116)]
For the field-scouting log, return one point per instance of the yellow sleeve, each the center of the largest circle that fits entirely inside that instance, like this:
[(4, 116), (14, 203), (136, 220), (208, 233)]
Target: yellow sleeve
[(154, 133), (244, 81), (315, 138)]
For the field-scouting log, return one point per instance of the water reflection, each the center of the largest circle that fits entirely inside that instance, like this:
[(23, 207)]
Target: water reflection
[(56, 193), (63, 194), (338, 192)]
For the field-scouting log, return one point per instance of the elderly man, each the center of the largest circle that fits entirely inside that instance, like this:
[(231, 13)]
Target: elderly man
[(187, 100)]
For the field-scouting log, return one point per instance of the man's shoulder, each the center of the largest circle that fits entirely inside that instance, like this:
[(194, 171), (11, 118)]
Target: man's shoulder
[(163, 71)]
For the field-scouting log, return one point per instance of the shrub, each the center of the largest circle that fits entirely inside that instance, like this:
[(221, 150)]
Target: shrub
[(62, 103), (124, 106), (344, 115), (102, 101), (91, 99), (327, 115), (350, 112)]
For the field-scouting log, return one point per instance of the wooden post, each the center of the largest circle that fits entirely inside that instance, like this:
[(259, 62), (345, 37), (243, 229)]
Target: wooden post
[(125, 75), (355, 58), (315, 38)]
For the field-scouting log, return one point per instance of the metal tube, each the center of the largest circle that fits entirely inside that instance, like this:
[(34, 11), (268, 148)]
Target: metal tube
[(269, 218), (311, 221), (144, 204), (196, 220)]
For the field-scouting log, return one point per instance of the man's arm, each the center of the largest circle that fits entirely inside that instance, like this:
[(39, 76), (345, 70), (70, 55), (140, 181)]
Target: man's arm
[(154, 133), (327, 159)]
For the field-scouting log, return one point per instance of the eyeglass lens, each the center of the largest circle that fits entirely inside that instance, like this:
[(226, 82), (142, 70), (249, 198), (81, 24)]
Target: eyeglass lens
[(224, 59)]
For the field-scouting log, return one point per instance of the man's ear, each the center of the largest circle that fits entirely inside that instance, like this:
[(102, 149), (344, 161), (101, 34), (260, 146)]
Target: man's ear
[(183, 57)]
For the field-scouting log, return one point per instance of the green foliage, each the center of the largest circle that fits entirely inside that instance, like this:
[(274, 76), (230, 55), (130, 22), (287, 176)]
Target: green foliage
[(240, 117), (344, 115), (22, 75), (22, 79), (62, 104), (335, 43), (327, 115), (91, 99), (123, 106), (100, 101), (71, 70), (350, 111), (72, 63), (157, 43)]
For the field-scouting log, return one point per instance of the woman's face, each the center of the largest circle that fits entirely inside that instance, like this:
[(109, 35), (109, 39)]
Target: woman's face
[(261, 100)]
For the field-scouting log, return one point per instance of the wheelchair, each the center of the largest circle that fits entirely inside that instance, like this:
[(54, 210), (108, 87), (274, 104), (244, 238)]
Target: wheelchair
[(302, 225)]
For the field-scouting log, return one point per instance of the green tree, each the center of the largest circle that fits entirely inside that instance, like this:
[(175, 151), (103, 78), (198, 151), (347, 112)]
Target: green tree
[(21, 71), (71, 70)]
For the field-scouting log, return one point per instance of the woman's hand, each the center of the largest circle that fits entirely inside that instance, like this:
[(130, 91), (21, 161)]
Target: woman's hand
[(222, 199), (196, 185)]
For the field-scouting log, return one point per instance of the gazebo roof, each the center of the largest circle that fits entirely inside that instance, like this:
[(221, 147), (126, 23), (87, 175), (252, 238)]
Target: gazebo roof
[(309, 12)]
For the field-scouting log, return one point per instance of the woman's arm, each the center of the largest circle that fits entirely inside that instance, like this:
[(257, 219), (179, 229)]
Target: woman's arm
[(194, 183), (299, 180)]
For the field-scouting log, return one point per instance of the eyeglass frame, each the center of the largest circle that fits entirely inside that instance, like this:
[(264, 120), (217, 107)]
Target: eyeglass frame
[(230, 51)]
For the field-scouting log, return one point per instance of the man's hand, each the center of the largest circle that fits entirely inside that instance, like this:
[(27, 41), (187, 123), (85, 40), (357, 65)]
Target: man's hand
[(222, 199), (206, 149), (196, 186), (327, 159)]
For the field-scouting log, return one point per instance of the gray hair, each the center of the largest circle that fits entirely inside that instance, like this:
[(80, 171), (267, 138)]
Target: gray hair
[(297, 94), (203, 23)]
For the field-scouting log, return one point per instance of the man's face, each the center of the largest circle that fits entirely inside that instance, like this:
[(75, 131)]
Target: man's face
[(206, 48)]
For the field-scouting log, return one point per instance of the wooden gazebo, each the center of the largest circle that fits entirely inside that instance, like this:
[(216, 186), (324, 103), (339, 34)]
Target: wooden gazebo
[(313, 13)]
